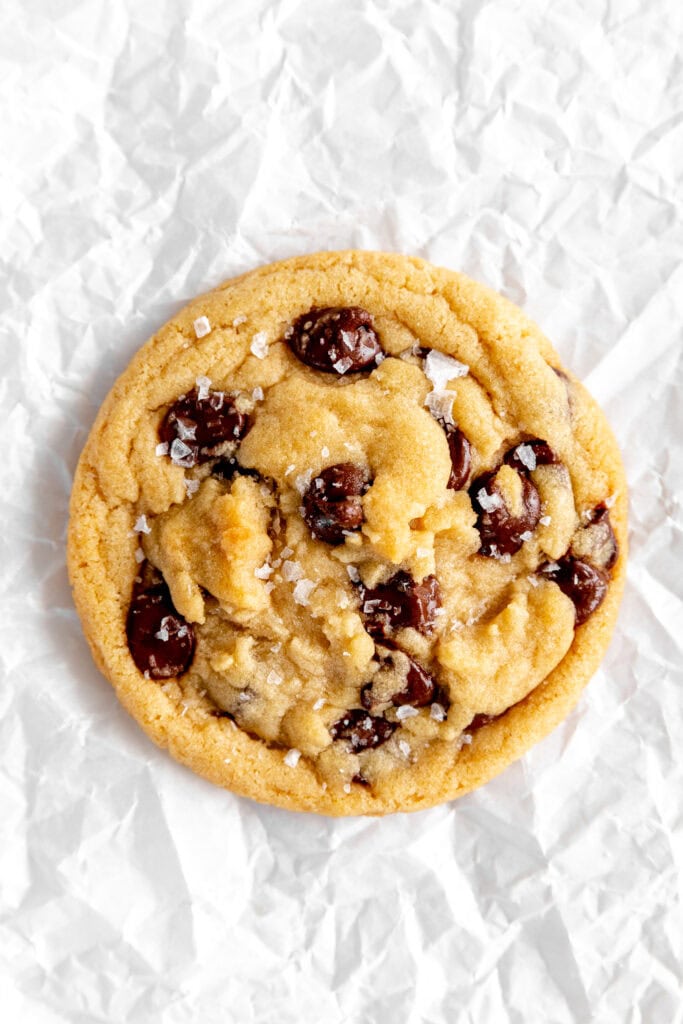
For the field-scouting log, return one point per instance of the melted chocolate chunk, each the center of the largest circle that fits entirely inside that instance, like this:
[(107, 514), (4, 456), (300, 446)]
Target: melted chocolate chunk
[(417, 687), (363, 730), (227, 469), (332, 503), (420, 690), (335, 340), (480, 720), (500, 531), (461, 459), (195, 428), (360, 779), (161, 642), (401, 603), (541, 454), (585, 584)]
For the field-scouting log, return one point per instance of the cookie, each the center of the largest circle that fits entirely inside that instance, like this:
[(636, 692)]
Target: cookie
[(346, 537)]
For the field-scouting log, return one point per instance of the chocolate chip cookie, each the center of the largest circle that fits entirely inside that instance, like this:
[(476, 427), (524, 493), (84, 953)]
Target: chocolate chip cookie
[(346, 537)]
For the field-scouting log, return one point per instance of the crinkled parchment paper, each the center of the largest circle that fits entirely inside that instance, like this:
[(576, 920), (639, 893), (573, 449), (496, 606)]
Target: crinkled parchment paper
[(150, 150)]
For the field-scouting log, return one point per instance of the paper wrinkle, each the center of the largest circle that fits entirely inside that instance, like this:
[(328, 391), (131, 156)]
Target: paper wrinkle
[(153, 151)]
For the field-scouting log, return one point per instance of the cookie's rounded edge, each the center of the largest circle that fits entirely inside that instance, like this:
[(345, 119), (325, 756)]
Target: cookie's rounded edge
[(249, 767)]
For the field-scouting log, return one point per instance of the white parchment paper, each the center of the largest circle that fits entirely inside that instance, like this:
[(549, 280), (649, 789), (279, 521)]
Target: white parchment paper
[(150, 150)]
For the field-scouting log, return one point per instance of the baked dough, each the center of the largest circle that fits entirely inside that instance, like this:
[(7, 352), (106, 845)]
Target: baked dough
[(345, 536)]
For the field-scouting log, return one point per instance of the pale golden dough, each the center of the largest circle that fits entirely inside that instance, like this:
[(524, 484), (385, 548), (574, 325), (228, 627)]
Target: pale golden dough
[(288, 670)]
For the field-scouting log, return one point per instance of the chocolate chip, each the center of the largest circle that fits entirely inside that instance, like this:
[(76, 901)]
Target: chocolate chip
[(420, 689), (332, 503), (461, 459), (360, 779), (220, 713), (500, 531), (227, 469), (585, 584), (595, 542), (533, 453), (161, 642), (363, 730), (335, 340), (401, 603), (480, 720), (409, 681), (198, 429)]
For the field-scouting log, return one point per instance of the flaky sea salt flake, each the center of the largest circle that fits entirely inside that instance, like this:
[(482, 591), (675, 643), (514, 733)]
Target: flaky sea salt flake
[(405, 711), (302, 481), (139, 555), (202, 327), (203, 384), (404, 748), (161, 449), (527, 456), (437, 713), (440, 404), (489, 502), (292, 571), (343, 364), (181, 454), (259, 345), (263, 571), (291, 758), (441, 369), (191, 487), (141, 525), (274, 678), (545, 520), (320, 703), (257, 394), (303, 590), (353, 573), (184, 432), (241, 319)]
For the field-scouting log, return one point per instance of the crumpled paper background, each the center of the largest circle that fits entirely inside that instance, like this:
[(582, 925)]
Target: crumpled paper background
[(151, 150)]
